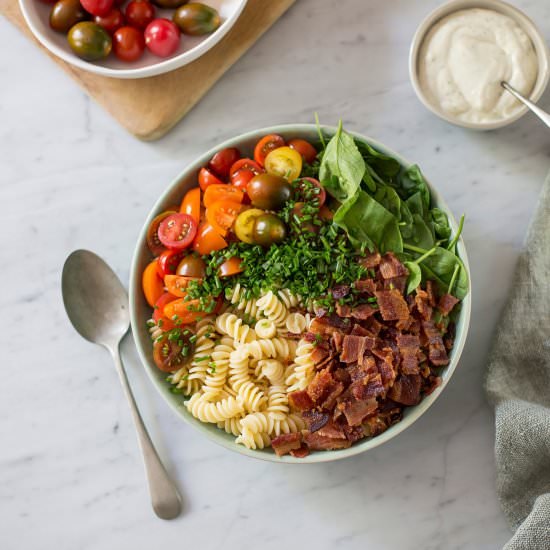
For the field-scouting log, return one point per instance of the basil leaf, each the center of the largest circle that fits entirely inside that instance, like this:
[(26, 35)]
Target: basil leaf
[(342, 168)]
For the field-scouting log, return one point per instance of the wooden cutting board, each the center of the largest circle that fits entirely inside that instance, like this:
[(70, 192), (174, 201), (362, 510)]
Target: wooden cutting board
[(150, 107)]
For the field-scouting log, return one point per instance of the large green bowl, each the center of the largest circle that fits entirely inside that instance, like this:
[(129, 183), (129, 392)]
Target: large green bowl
[(140, 311)]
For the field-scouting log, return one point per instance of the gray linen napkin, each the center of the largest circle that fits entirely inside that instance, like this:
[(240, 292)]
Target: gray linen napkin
[(518, 385)]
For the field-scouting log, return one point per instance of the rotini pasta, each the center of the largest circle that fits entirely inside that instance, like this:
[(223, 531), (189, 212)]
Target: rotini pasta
[(246, 307), (289, 300), (304, 366), (265, 328), (233, 326), (274, 348), (273, 308), (297, 323), (218, 368), (214, 412)]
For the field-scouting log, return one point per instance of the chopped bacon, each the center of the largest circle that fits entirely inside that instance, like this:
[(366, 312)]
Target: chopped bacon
[(315, 420), (437, 353), (387, 372), (300, 400), (319, 353), (302, 452), (340, 291), (430, 290), (285, 443), (400, 283), (358, 372), (318, 442), (370, 261), (391, 267), (337, 339), (362, 312), (358, 330), (367, 388), (409, 346), (423, 304), (446, 304), (373, 326), (324, 389), (435, 382), (405, 324), (366, 285), (355, 410), (344, 310), (342, 375), (406, 389), (392, 305), (352, 348)]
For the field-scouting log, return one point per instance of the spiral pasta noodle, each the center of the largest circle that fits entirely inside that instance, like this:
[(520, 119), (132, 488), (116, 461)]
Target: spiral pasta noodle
[(214, 412), (274, 348), (265, 328), (218, 368), (297, 323), (273, 308), (289, 300), (246, 306), (233, 326), (304, 367), (204, 346)]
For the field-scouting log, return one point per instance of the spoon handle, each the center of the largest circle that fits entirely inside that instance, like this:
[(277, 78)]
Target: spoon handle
[(543, 115), (164, 496)]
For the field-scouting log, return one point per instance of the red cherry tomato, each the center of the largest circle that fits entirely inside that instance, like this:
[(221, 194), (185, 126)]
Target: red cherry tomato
[(309, 193), (231, 267), (191, 204), (97, 7), (223, 160), (266, 145), (243, 171), (177, 231), (110, 22), (128, 44), (308, 152), (208, 240), (168, 262), (162, 37), (158, 313), (139, 14), (153, 242), (207, 178)]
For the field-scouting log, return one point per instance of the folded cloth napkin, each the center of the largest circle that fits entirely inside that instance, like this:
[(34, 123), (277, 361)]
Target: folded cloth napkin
[(518, 385)]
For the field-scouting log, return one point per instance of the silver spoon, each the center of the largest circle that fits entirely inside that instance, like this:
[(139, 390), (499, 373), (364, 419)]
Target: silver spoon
[(543, 115), (97, 306)]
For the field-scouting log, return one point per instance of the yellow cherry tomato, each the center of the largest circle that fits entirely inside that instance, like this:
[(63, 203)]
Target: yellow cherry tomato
[(284, 162), (244, 225)]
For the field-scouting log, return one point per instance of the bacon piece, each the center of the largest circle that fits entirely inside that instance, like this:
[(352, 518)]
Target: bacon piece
[(332, 429), (354, 433), (352, 349), (317, 442), (406, 389), (435, 382), (356, 410), (373, 326), (437, 353), (359, 372), (367, 388), (285, 443), (337, 339), (392, 305), (423, 304), (370, 261), (409, 346), (327, 326), (342, 375), (302, 452), (358, 330), (324, 390), (387, 371), (446, 304), (318, 354), (340, 291), (391, 267), (300, 400), (367, 286), (343, 310), (430, 291), (362, 312), (400, 283), (315, 420), (405, 324)]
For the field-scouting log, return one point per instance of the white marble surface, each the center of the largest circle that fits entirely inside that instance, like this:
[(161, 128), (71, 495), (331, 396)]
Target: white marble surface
[(70, 474)]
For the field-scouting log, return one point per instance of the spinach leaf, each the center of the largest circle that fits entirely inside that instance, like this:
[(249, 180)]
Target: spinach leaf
[(440, 224), (406, 223), (383, 164), (415, 276), (367, 221), (342, 167), (416, 205), (453, 243), (412, 181), (422, 236), (389, 199)]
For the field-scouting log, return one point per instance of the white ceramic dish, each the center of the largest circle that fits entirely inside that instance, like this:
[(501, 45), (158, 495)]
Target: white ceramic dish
[(140, 311), (36, 15), (541, 49)]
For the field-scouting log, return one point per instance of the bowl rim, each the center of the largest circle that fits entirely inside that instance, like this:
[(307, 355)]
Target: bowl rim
[(221, 438), (162, 66), (532, 31)]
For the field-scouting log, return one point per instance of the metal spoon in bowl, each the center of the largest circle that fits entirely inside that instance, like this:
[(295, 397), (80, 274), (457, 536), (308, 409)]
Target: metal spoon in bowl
[(543, 115), (97, 305)]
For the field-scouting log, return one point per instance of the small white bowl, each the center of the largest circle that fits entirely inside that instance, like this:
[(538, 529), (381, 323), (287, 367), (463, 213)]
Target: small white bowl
[(539, 44), (37, 17)]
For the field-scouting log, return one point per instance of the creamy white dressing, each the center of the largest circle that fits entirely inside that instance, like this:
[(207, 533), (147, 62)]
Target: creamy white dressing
[(464, 58)]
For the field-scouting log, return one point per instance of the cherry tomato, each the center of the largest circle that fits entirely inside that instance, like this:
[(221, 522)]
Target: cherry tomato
[(243, 171), (284, 162), (268, 191), (326, 213), (191, 204), (244, 225), (223, 160), (158, 314), (183, 311), (312, 191), (177, 231), (269, 229), (168, 262), (208, 240), (162, 37), (139, 14), (128, 44), (222, 214), (266, 145), (97, 7), (223, 192), (231, 267), (207, 178), (110, 22), (170, 354), (65, 14), (308, 152), (305, 225), (153, 287), (192, 266), (177, 285), (153, 242)]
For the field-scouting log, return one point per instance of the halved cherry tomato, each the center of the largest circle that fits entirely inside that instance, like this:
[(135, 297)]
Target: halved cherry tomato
[(208, 240), (177, 231), (216, 193), (308, 152), (243, 171), (171, 354), (192, 266), (153, 287), (314, 191), (305, 225), (231, 267), (153, 241), (176, 285), (191, 204), (207, 178), (183, 311), (266, 145), (168, 262), (244, 225), (222, 214), (222, 161), (158, 315), (284, 162)]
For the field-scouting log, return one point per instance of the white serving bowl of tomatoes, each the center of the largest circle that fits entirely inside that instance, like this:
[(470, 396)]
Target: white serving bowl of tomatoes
[(139, 40)]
